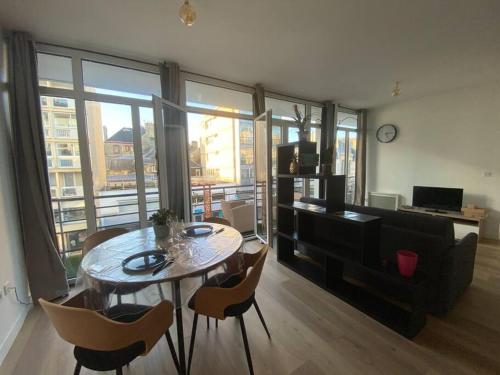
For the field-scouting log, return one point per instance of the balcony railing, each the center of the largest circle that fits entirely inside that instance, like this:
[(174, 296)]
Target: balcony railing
[(121, 210)]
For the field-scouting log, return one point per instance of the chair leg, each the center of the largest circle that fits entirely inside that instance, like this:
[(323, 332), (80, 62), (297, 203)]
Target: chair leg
[(172, 350), (119, 299), (245, 342), (78, 367), (208, 322), (261, 317), (216, 323), (160, 290), (191, 344), (119, 371)]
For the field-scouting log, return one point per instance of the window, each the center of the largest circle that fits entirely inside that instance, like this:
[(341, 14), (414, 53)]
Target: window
[(204, 96), (283, 109), (149, 159), (64, 149), (62, 102), (220, 147), (118, 81), (114, 178), (69, 179), (52, 180), (113, 163), (316, 115), (45, 119), (55, 71), (66, 163), (64, 119), (347, 123)]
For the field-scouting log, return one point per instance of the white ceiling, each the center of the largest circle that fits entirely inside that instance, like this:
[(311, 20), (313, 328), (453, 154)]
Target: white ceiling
[(349, 51)]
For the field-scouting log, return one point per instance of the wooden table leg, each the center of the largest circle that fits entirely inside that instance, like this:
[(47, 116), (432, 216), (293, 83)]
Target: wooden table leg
[(176, 292)]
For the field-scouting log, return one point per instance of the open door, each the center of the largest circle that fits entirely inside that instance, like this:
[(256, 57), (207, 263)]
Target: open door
[(263, 187), (173, 171)]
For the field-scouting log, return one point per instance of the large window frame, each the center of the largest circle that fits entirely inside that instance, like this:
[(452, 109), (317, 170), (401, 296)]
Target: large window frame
[(192, 77), (80, 96), (350, 133)]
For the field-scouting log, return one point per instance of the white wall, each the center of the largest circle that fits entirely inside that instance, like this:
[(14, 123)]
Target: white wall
[(12, 314), (447, 140)]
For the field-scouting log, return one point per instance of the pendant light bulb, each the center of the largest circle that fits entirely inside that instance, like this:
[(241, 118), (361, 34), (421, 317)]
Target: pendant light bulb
[(396, 90), (187, 14)]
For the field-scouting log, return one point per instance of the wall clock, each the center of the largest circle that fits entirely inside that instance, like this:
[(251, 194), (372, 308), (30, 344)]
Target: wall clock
[(387, 133)]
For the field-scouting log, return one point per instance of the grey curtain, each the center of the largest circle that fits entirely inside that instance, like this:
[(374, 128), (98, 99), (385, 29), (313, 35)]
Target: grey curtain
[(259, 100), (360, 188), (175, 138), (46, 273)]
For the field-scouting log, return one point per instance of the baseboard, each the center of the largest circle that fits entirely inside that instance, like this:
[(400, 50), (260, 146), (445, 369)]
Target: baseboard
[(14, 331)]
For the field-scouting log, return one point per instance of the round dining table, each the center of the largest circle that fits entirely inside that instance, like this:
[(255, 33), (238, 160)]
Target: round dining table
[(192, 256)]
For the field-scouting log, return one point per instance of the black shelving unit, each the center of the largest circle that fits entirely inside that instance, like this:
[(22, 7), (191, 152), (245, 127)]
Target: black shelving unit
[(339, 251)]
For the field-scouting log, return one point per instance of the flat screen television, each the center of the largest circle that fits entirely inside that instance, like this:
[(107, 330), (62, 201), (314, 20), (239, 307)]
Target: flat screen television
[(438, 198)]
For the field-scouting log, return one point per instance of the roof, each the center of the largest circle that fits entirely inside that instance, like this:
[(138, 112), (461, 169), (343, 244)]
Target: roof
[(124, 135)]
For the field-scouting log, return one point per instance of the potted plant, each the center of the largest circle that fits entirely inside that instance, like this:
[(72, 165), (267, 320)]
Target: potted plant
[(162, 219), (327, 160), (302, 123)]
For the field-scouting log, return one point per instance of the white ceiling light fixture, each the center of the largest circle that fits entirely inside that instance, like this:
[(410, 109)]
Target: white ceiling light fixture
[(396, 90), (187, 14)]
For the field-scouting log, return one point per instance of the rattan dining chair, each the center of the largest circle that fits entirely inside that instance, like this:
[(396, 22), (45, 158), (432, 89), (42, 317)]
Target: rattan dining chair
[(231, 297), (105, 344)]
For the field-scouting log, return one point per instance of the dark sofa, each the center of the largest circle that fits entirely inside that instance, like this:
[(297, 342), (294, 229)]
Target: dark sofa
[(448, 263)]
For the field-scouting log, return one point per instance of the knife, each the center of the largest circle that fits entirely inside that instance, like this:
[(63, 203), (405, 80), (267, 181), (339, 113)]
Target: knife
[(217, 231), (162, 267)]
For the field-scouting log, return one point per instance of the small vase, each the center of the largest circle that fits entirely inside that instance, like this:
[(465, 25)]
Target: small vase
[(294, 166), (407, 262), (161, 231)]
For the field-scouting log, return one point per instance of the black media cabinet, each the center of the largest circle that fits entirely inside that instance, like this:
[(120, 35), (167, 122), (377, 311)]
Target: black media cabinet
[(339, 251)]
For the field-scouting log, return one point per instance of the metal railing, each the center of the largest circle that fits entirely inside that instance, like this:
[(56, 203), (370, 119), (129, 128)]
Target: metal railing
[(122, 210), (217, 194)]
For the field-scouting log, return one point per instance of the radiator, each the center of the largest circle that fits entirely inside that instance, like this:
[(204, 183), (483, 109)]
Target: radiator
[(383, 200)]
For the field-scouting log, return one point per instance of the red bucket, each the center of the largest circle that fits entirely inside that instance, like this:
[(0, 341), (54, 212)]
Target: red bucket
[(407, 262)]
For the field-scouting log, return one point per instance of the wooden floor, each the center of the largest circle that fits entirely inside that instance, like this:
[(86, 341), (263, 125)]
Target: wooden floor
[(312, 333)]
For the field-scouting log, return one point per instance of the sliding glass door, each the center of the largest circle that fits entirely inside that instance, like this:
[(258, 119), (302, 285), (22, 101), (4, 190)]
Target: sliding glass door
[(263, 177), (346, 142), (221, 150)]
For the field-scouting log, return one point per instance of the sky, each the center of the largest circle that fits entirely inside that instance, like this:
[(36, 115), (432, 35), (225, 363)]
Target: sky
[(118, 116)]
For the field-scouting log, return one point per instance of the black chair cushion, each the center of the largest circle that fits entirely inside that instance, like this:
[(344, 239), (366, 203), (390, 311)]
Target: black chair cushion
[(110, 360), (224, 280)]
